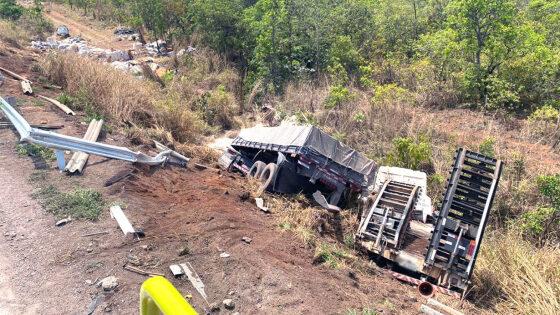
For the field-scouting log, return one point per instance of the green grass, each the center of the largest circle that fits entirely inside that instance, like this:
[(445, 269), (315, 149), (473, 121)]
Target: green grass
[(364, 311), (331, 255), (79, 204), (29, 149)]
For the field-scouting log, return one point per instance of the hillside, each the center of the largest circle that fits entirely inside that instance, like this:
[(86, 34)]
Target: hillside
[(404, 82)]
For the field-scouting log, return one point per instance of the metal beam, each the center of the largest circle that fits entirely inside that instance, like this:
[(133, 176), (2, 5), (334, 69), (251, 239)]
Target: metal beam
[(61, 142)]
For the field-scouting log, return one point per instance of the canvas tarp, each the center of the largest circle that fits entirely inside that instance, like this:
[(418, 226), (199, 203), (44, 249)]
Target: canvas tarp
[(311, 137)]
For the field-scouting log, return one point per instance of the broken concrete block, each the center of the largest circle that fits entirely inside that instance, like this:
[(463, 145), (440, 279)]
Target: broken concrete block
[(176, 270), (246, 239)]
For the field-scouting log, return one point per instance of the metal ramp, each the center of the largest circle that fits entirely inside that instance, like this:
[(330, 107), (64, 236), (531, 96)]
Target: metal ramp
[(463, 215), (389, 216)]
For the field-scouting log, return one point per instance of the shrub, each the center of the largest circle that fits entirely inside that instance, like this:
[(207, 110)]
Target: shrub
[(487, 147), (35, 23), (546, 113), (9, 9), (549, 186), (390, 94), (544, 124), (221, 109), (338, 95), (410, 153), (538, 222)]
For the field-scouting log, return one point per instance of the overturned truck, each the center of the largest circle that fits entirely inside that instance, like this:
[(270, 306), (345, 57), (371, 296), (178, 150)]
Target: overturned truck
[(443, 248), (397, 222), (301, 159)]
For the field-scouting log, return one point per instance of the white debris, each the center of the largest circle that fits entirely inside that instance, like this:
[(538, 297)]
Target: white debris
[(260, 204), (176, 270), (194, 279), (224, 255), (228, 303), (78, 45), (124, 224), (109, 283)]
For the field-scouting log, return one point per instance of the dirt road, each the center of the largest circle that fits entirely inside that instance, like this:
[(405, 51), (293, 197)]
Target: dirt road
[(84, 27)]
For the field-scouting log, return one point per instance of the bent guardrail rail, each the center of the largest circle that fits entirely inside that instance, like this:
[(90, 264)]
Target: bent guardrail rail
[(61, 142), (159, 296)]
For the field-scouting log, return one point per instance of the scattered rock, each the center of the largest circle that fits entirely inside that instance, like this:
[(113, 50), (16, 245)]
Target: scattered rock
[(214, 307), (245, 196), (228, 303), (63, 221), (224, 255), (247, 239), (133, 260), (184, 250), (200, 166), (89, 282), (89, 250), (231, 292), (109, 283)]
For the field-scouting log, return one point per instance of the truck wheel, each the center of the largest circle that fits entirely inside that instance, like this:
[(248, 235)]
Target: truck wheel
[(267, 176), (257, 169)]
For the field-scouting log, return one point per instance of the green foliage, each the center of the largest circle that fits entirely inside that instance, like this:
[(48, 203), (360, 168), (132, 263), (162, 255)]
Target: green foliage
[(363, 311), (389, 94), (494, 54), (331, 255), (9, 9), (549, 186), (487, 147), (35, 150), (306, 118), (410, 153), (536, 221), (79, 203), (546, 113), (544, 221), (218, 108), (338, 95)]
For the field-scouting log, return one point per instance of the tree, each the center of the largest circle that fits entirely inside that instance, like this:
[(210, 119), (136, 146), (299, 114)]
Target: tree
[(486, 31)]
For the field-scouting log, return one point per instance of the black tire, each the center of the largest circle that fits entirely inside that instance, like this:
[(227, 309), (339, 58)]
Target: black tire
[(256, 170), (267, 176)]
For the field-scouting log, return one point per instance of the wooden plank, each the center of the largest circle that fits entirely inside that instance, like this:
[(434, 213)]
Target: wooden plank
[(58, 104)]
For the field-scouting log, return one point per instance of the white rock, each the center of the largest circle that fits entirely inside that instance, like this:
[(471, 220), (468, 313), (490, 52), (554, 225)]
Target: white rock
[(109, 283), (228, 303)]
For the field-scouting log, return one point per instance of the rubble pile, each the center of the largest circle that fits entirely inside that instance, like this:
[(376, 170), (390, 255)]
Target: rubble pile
[(78, 45)]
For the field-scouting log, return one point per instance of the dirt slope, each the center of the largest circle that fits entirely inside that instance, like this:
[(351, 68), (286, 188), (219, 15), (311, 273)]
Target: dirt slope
[(53, 270)]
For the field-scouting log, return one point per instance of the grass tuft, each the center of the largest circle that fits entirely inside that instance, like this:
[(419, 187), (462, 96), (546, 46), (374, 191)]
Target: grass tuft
[(79, 204), (34, 150)]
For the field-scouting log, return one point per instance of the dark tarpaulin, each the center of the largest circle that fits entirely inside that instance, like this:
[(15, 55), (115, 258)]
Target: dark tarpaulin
[(311, 137)]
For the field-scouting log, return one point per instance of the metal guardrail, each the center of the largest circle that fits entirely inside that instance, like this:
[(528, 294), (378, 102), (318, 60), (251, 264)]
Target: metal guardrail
[(61, 142)]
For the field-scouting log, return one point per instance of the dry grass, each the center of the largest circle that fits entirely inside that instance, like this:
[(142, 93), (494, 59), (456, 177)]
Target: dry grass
[(11, 35), (124, 99), (514, 277), (111, 92)]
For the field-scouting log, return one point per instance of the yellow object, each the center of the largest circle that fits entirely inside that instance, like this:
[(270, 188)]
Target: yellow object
[(159, 296)]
